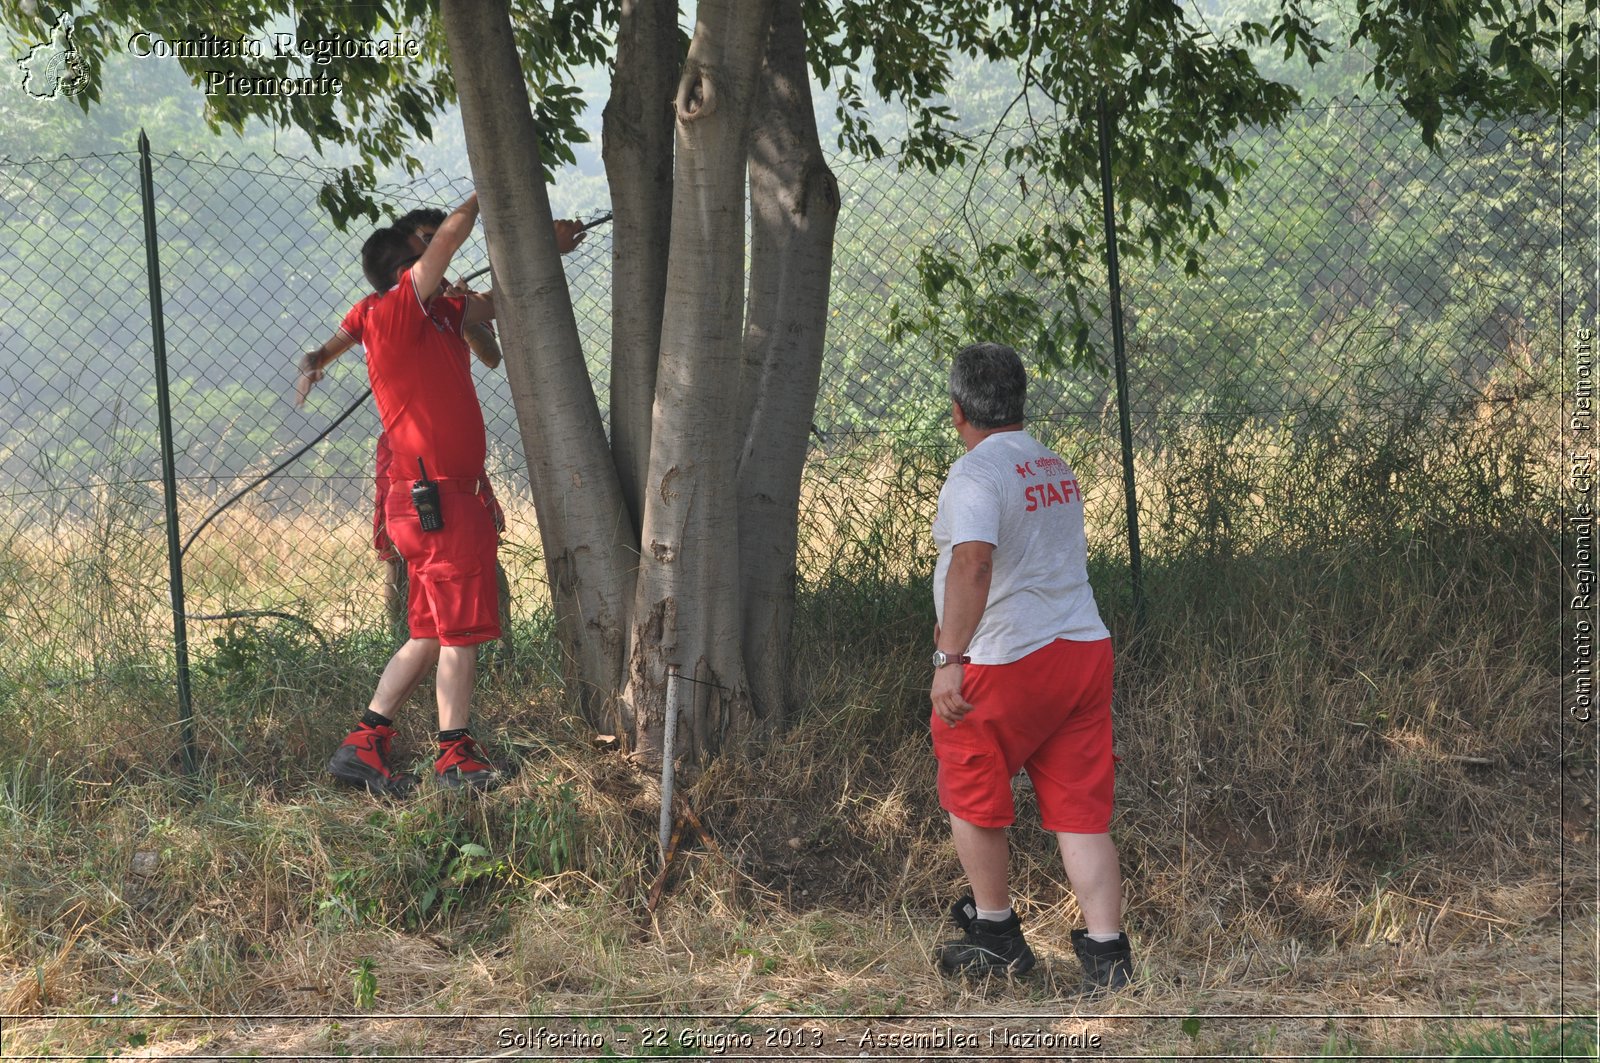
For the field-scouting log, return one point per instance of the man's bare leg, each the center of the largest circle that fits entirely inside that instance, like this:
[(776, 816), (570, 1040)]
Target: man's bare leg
[(1092, 867), (458, 671), (985, 857), (406, 669)]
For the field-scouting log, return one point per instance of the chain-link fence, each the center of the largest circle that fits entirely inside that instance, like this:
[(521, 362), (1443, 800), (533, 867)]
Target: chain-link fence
[(1373, 345)]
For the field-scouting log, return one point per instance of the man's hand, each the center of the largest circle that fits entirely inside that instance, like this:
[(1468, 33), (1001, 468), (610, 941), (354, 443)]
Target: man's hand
[(310, 373), (946, 694), (569, 234)]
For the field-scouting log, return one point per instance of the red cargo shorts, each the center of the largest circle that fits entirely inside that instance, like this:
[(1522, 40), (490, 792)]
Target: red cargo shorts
[(1048, 713), (452, 595)]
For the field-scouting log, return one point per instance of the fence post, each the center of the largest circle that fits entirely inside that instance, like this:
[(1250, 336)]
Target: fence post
[(169, 472), (1119, 348), (668, 742)]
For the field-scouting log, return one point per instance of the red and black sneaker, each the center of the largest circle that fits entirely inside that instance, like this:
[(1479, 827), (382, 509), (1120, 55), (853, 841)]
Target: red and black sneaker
[(461, 764), (363, 760)]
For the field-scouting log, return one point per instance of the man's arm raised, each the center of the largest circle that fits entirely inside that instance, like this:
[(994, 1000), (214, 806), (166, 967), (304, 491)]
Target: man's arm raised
[(428, 273)]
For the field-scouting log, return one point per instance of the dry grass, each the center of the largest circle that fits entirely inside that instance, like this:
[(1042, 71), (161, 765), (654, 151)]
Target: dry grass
[(1341, 794)]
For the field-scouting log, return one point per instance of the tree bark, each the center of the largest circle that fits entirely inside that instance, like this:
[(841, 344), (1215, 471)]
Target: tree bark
[(686, 608), (794, 208), (636, 144), (583, 521)]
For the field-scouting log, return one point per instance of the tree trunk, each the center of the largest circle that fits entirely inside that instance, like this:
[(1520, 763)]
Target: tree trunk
[(637, 147), (686, 609), (794, 206), (583, 521)]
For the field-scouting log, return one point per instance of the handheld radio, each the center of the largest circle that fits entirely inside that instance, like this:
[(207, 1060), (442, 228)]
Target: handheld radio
[(425, 498)]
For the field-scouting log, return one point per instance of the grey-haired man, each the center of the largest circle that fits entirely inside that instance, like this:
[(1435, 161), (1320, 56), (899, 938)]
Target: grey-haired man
[(1022, 676)]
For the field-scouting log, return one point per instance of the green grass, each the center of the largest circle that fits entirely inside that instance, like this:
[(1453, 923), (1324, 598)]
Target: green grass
[(1527, 1042), (1533, 1041)]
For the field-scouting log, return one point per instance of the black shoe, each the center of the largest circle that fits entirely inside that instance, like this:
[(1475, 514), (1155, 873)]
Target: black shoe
[(985, 947), (1107, 965), (363, 760)]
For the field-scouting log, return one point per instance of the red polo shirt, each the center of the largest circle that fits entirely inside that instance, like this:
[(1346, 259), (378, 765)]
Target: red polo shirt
[(421, 374)]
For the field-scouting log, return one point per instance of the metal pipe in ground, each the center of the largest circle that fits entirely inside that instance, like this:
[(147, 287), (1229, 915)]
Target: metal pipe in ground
[(169, 475), (1119, 346), (669, 739)]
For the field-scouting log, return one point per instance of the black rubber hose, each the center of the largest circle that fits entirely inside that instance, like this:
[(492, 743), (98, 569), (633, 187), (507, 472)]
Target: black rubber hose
[(275, 470), (245, 614)]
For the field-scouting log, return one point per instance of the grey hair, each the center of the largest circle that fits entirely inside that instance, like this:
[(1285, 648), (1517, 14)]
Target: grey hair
[(989, 384)]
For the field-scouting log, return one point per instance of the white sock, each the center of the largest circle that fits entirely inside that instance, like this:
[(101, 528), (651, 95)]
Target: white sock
[(1105, 938), (994, 917)]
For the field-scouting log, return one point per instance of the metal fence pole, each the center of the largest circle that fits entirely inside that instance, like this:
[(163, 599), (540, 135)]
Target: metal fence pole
[(169, 473), (1119, 348), (669, 741)]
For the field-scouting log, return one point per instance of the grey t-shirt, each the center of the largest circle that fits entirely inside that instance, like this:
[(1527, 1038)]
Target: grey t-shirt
[(1013, 492)]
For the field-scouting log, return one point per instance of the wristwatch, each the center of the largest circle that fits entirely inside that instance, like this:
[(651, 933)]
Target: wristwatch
[(941, 658)]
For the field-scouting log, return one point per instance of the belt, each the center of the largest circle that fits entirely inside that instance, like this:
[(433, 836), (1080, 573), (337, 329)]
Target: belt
[(446, 487)]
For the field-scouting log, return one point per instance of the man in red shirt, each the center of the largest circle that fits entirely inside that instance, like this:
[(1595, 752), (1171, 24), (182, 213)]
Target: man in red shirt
[(419, 367), (421, 223)]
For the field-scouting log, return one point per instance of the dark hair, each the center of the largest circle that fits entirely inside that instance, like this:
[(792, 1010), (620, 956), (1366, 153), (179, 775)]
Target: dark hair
[(384, 255), (989, 384), (412, 220)]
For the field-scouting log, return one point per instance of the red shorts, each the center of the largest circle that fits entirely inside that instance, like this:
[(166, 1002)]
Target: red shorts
[(380, 531), (452, 595), (1048, 713)]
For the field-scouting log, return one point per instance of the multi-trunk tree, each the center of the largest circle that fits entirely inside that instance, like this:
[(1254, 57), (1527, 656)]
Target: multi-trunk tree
[(673, 543), (670, 541)]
